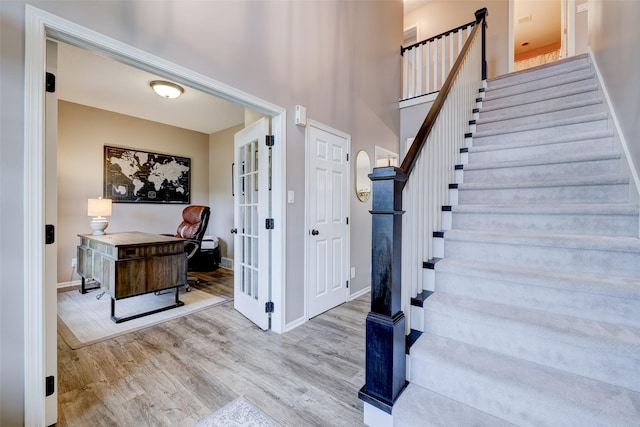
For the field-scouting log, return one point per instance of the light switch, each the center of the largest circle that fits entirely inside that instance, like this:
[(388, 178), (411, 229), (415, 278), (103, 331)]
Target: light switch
[(290, 196)]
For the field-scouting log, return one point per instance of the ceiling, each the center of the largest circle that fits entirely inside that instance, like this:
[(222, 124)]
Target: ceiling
[(89, 78)]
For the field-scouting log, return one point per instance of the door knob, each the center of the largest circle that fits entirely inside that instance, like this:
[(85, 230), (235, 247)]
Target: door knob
[(234, 231), (314, 232)]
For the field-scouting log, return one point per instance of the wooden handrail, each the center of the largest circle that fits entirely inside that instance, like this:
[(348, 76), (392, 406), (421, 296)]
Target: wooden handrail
[(411, 158)]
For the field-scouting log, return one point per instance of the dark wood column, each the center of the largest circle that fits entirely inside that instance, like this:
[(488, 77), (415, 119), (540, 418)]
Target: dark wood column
[(385, 325)]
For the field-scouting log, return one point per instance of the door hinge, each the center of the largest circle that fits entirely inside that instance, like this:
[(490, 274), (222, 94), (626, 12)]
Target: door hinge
[(50, 82), (271, 141), (50, 385), (268, 307), (49, 234), (269, 224)]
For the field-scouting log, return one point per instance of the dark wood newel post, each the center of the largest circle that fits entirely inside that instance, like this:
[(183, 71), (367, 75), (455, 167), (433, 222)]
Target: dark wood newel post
[(385, 325), (481, 18)]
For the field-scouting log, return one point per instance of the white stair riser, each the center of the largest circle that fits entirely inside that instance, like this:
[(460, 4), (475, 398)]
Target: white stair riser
[(540, 151), (576, 302), (538, 133), (610, 193), (542, 347), (499, 112), (624, 264), (523, 98), (539, 117), (598, 225)]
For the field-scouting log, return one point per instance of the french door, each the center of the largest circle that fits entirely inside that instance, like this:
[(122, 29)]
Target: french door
[(252, 208)]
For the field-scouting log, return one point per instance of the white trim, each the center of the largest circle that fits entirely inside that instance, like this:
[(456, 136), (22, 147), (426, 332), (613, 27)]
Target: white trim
[(38, 26), (614, 118), (312, 123), (359, 293), (294, 324), (71, 284)]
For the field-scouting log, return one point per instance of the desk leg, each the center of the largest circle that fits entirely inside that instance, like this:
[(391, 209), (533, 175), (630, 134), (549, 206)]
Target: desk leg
[(116, 319), (83, 288)]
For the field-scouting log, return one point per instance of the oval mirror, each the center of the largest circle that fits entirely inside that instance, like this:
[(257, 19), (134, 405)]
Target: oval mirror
[(363, 183)]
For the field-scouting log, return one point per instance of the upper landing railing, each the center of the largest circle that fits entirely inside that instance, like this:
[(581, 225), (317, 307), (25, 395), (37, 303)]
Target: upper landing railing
[(422, 180), (426, 64)]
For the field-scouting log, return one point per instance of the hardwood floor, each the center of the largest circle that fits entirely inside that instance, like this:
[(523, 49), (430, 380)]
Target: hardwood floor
[(178, 372)]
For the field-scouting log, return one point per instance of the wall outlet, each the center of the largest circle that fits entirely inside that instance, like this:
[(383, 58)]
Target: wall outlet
[(74, 262)]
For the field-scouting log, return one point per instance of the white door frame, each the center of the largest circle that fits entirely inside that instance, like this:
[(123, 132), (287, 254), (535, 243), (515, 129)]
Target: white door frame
[(38, 26), (307, 225)]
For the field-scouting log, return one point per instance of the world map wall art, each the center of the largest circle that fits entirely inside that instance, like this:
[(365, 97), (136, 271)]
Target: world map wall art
[(136, 176)]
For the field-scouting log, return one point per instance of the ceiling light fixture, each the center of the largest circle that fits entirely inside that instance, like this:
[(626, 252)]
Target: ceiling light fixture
[(166, 89)]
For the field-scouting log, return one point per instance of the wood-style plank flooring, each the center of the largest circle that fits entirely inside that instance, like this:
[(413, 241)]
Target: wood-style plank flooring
[(178, 372)]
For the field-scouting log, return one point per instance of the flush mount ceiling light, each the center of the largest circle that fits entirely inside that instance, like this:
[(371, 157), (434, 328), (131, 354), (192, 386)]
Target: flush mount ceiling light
[(166, 89)]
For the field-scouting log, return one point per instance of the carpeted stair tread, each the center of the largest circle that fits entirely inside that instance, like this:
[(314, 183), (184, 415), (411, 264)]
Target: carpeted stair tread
[(564, 79), (419, 407), (583, 219), (561, 139), (518, 391), (605, 298), (564, 182), (537, 112), (569, 241), (585, 92), (587, 118), (539, 72), (557, 160), (588, 254), (599, 350), (586, 209)]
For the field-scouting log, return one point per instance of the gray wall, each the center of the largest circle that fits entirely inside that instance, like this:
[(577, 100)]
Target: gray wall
[(614, 34), (337, 58)]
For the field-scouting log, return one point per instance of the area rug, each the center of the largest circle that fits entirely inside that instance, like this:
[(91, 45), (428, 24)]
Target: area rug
[(83, 319), (238, 413)]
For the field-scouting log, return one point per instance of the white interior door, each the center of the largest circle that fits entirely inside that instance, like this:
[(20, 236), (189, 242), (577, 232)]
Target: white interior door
[(251, 210), (327, 217), (51, 250)]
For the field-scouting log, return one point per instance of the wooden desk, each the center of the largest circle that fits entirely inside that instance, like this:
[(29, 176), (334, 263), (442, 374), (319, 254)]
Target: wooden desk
[(133, 263)]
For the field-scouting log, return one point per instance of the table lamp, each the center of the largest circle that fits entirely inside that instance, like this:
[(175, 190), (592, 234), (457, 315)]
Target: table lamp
[(99, 208)]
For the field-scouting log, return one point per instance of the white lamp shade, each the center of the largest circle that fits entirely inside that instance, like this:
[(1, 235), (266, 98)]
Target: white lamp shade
[(99, 207)]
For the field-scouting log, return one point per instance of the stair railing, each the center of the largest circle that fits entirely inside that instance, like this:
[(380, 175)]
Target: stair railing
[(431, 160), (426, 64)]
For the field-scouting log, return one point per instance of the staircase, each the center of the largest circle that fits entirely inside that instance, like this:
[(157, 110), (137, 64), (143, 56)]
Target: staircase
[(535, 318)]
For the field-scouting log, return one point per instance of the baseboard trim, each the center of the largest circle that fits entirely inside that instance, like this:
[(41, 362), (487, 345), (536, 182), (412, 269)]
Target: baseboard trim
[(71, 284), (359, 293)]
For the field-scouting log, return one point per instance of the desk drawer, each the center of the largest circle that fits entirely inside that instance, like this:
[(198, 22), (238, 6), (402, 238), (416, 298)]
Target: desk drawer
[(144, 251)]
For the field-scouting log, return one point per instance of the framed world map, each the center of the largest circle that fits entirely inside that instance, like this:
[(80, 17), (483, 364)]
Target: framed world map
[(136, 176)]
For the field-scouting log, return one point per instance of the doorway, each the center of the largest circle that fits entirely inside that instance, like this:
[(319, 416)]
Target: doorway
[(41, 25), (327, 184)]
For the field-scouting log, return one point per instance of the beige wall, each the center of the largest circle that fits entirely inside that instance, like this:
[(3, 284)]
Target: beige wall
[(339, 59), (220, 199), (82, 133), (439, 16), (614, 34)]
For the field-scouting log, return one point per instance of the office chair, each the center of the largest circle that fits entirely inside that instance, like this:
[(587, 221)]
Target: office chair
[(193, 226)]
